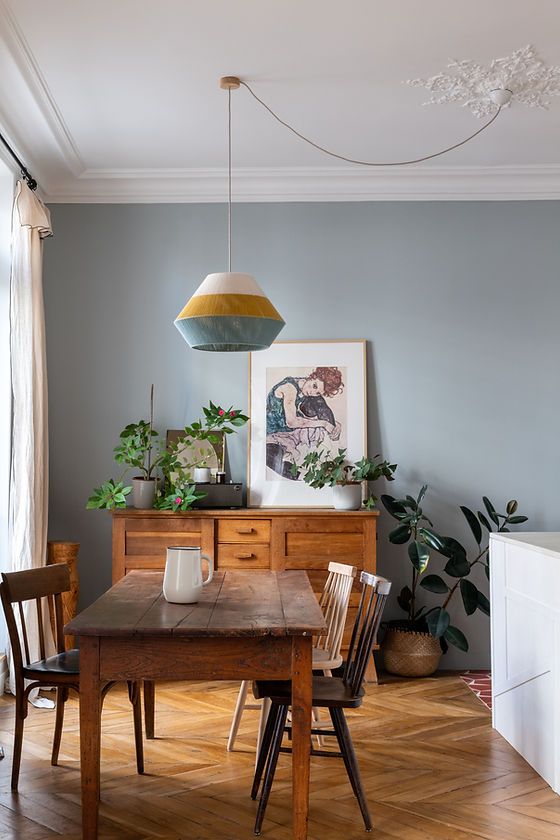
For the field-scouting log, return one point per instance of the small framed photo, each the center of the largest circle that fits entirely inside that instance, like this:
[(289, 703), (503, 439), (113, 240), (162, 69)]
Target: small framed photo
[(303, 396)]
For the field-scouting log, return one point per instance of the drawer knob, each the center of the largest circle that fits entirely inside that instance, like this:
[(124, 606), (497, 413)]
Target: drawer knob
[(245, 530), (243, 556)]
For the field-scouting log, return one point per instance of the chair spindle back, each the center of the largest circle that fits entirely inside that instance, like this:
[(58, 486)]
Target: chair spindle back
[(334, 603), (375, 591)]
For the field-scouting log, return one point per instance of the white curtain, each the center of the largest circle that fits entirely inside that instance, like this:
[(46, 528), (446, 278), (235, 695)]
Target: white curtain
[(28, 504)]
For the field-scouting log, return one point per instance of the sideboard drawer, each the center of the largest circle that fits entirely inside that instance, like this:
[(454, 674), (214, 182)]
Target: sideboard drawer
[(243, 556), (244, 530)]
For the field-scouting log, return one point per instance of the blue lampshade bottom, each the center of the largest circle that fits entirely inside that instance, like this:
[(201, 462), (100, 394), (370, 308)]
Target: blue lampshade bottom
[(229, 334)]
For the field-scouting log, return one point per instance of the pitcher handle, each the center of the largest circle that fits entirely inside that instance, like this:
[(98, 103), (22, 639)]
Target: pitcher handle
[(210, 568)]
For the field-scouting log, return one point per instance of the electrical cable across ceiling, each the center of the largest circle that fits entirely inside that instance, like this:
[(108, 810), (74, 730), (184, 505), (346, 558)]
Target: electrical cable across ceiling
[(229, 311), (368, 162)]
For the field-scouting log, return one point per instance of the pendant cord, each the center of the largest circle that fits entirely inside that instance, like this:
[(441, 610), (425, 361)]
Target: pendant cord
[(229, 181), (367, 162)]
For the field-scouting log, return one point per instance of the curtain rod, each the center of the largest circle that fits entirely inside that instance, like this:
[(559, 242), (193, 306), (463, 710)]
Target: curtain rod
[(26, 175)]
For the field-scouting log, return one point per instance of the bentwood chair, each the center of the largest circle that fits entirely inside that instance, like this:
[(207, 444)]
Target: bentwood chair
[(61, 670), (326, 648), (332, 693)]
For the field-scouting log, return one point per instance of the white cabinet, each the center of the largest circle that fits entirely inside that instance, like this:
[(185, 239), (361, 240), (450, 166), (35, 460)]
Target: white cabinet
[(525, 626)]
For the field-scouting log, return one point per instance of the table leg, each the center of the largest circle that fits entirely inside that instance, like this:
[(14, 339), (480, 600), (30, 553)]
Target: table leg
[(90, 734), (301, 732), (149, 707)]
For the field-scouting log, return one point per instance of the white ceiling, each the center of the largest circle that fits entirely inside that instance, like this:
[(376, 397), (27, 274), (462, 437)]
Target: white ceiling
[(118, 100)]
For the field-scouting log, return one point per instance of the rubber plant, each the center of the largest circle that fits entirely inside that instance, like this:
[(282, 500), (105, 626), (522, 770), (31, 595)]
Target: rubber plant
[(416, 530)]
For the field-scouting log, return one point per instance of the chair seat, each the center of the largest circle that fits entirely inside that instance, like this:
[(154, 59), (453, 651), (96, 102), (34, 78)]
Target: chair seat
[(323, 661), (63, 664), (327, 692)]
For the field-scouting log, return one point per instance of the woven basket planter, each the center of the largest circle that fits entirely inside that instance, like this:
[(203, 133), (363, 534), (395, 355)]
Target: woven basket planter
[(408, 653)]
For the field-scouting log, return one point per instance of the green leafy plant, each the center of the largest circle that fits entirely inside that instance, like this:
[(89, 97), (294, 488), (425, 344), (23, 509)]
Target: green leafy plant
[(136, 447), (319, 470), (176, 473), (416, 530), (180, 498), (108, 496), (142, 449)]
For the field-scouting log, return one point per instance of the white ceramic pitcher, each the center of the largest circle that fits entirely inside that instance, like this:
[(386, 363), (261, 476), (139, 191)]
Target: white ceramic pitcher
[(182, 581)]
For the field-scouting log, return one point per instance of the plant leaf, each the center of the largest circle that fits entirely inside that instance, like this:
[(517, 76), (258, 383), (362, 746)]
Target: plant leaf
[(431, 538), (421, 494), (511, 507), (452, 549), (487, 571), (400, 535), (484, 521), (419, 555), (438, 621), (517, 520), (473, 523), (392, 506), (434, 583), (455, 637), (483, 602), (491, 510), (457, 567), (469, 593), (404, 599)]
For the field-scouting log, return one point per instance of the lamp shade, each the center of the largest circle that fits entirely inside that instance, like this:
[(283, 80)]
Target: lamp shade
[(229, 312)]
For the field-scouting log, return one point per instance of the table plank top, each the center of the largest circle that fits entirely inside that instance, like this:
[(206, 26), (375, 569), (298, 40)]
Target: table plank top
[(235, 603)]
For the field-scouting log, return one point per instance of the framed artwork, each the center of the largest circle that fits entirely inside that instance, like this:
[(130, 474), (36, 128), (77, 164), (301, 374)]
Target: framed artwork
[(199, 452), (303, 396)]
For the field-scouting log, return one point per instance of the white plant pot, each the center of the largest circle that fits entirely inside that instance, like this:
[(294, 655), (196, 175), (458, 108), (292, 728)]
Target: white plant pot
[(143, 493), (347, 496), (202, 475)]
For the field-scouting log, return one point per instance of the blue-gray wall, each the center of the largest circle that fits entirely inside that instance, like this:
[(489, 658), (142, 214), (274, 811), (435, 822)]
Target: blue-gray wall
[(459, 303)]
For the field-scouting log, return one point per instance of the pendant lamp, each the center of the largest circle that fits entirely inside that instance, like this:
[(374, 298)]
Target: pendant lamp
[(229, 311)]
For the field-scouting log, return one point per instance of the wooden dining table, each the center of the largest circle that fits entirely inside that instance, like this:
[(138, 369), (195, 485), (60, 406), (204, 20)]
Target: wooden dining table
[(246, 625)]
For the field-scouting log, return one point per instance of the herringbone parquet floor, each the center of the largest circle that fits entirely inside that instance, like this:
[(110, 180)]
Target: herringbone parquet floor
[(433, 769)]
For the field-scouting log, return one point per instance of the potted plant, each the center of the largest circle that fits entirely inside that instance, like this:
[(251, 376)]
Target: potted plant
[(141, 448), (176, 469), (319, 470), (413, 646)]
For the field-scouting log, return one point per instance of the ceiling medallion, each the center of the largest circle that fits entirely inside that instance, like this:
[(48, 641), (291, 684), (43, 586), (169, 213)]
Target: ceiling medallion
[(529, 79)]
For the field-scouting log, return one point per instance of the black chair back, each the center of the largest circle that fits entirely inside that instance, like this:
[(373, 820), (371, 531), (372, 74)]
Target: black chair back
[(375, 591)]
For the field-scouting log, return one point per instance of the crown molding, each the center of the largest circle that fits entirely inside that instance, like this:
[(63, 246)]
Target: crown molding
[(63, 178), (407, 183), (24, 68)]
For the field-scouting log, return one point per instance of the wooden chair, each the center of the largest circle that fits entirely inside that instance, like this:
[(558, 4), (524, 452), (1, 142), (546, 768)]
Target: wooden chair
[(326, 649), (332, 693), (61, 670)]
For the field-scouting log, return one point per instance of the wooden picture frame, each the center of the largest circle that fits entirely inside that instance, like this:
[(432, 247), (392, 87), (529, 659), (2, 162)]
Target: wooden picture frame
[(321, 387)]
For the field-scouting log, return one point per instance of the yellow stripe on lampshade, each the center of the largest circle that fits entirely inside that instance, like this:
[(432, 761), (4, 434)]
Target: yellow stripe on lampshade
[(255, 306)]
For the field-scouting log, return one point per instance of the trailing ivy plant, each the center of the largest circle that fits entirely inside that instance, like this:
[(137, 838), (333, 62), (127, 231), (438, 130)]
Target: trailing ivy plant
[(417, 530), (321, 470), (178, 492)]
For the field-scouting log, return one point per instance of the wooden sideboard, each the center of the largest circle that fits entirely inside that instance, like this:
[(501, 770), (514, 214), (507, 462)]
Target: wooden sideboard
[(251, 538)]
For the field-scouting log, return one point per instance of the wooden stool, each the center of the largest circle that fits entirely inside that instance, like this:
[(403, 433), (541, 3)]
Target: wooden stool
[(60, 551)]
